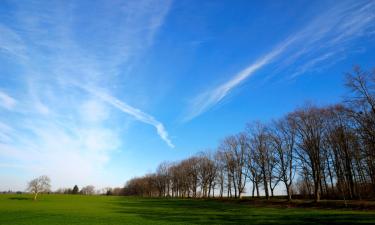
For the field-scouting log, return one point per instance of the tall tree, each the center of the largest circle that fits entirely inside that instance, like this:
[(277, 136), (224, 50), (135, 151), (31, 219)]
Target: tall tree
[(310, 129), (283, 138), (362, 102), (259, 141)]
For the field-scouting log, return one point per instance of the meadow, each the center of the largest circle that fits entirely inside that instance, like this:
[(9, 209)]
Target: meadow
[(110, 210)]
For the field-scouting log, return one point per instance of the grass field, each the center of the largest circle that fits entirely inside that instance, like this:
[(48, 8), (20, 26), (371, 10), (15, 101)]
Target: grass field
[(92, 210)]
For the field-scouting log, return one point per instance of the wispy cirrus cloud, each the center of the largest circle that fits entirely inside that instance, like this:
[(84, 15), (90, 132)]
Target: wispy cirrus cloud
[(57, 126), (324, 38), (11, 43), (7, 101), (134, 112), (208, 99)]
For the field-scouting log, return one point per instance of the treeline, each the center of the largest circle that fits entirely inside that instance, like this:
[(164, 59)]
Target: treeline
[(86, 190), (90, 190), (317, 152)]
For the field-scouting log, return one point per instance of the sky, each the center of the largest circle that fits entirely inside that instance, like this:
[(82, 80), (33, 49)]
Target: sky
[(98, 92)]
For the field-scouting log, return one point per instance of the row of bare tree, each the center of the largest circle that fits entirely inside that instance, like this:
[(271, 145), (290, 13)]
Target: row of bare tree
[(316, 151)]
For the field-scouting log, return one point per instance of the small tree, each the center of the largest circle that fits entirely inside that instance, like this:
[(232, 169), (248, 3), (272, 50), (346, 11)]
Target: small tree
[(75, 190), (39, 185)]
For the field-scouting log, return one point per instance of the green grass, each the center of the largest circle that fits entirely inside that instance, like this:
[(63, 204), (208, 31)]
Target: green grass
[(93, 210)]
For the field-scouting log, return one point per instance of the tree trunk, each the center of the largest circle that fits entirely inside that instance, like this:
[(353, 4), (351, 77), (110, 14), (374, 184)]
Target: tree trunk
[(253, 192), (265, 184), (288, 191), (317, 191), (257, 187), (35, 196)]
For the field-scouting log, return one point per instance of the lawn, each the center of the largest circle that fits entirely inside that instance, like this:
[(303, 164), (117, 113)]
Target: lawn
[(107, 210)]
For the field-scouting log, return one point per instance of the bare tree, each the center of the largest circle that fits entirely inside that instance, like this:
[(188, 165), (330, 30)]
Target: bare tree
[(162, 181), (239, 152), (220, 166), (283, 138), (310, 128), (228, 165), (259, 141), (252, 171), (362, 102), (229, 147), (342, 143), (192, 173), (88, 190), (39, 185), (207, 173)]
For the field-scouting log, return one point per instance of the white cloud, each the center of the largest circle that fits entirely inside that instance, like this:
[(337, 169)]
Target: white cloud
[(5, 132), (7, 101), (99, 140), (67, 153), (134, 112), (94, 111), (61, 131), (208, 99), (11, 43)]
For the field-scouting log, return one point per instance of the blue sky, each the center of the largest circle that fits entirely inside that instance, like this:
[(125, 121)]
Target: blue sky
[(97, 92)]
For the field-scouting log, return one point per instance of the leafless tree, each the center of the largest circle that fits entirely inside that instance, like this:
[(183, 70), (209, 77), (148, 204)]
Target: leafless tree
[(88, 190), (39, 185), (252, 171), (207, 173), (362, 105), (240, 150), (259, 141), (283, 138), (162, 182), (310, 129), (342, 143), (220, 167)]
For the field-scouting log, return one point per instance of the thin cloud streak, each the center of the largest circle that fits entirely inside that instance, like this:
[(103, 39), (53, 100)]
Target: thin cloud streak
[(134, 112), (322, 39), (208, 99), (11, 44)]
